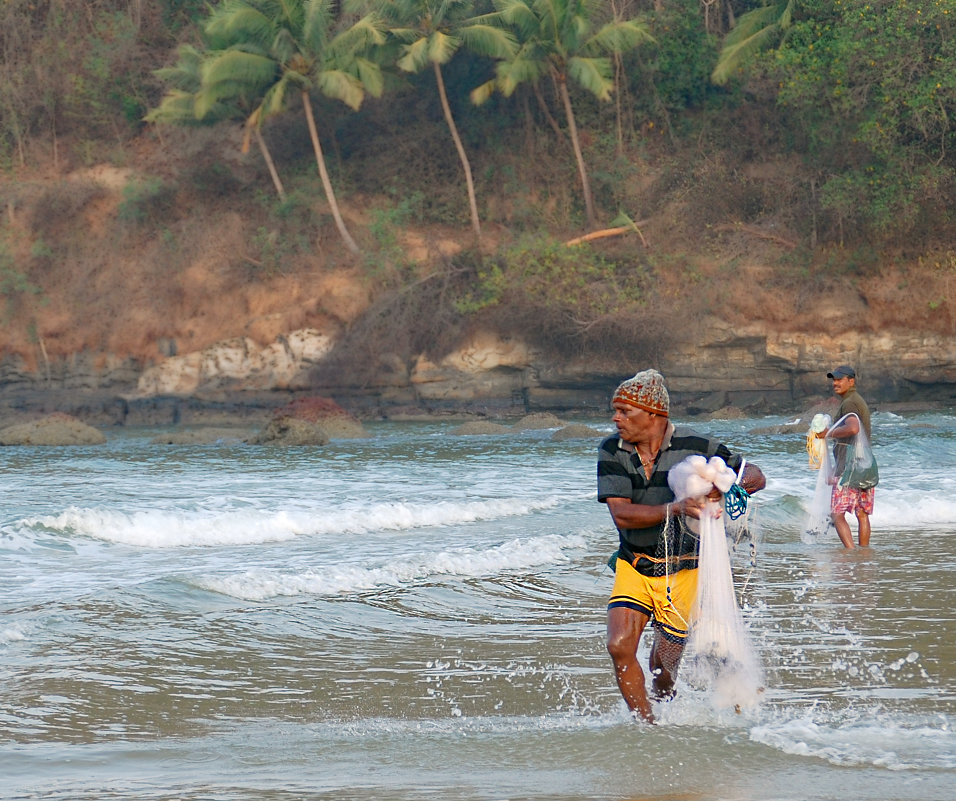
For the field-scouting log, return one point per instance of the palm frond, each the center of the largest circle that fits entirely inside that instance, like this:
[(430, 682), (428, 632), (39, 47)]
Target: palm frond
[(274, 100), (550, 14), (205, 102), (340, 85), (594, 74), (441, 47), (754, 31), (176, 108), (316, 23), (518, 15), (517, 71), (415, 57), (254, 119), (237, 67), (359, 7), (283, 13), (238, 22), (284, 46), (777, 14), (405, 35), (366, 33), (488, 40), (185, 74), (576, 32), (370, 75), (481, 94), (618, 37)]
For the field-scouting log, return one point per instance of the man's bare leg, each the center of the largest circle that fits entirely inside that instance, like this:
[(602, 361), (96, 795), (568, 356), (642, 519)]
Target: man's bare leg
[(842, 529), (864, 520), (624, 628)]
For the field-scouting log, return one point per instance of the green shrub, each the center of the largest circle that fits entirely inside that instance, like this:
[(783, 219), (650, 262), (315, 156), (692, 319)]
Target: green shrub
[(15, 285), (871, 88), (146, 201), (575, 281)]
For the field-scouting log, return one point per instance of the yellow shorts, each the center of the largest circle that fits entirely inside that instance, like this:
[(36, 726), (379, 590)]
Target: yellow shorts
[(648, 594)]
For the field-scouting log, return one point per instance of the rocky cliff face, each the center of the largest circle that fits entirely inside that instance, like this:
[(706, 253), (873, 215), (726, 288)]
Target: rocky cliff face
[(177, 320), (753, 369)]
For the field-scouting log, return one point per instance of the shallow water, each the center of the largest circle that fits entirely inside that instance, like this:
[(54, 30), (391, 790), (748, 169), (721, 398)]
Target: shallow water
[(419, 615)]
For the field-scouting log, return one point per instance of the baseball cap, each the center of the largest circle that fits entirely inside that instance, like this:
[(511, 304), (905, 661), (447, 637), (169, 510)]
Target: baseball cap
[(843, 371)]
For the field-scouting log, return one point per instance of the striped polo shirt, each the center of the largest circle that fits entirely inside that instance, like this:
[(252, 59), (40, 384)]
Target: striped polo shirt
[(620, 475)]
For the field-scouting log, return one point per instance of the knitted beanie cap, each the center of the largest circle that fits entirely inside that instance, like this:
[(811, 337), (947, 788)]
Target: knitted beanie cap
[(646, 391)]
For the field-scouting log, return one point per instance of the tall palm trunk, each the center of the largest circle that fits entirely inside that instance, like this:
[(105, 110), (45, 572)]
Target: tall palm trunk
[(472, 202), (546, 111), (324, 175), (267, 156), (576, 144)]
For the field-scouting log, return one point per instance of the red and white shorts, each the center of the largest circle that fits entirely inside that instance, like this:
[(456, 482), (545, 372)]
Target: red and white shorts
[(847, 499)]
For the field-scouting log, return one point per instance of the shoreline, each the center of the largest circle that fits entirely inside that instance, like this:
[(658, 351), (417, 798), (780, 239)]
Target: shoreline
[(250, 409)]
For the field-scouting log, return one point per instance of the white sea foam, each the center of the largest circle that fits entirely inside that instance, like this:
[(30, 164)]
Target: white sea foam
[(12, 633), (869, 741), (367, 573), (904, 508), (155, 528), (898, 508), (12, 538)]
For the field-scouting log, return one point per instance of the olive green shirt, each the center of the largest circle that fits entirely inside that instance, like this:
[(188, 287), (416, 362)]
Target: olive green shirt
[(853, 402)]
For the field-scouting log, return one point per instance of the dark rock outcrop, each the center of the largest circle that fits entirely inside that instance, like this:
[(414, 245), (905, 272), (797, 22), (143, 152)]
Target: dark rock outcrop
[(290, 431), (539, 420), (54, 429), (309, 421), (577, 431)]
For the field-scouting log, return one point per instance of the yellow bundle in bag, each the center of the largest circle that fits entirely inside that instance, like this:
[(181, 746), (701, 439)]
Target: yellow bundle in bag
[(817, 448)]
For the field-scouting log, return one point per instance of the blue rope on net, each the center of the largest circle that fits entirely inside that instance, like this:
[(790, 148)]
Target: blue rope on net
[(735, 501)]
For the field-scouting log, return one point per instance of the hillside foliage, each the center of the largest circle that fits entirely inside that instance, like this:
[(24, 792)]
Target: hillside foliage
[(830, 138)]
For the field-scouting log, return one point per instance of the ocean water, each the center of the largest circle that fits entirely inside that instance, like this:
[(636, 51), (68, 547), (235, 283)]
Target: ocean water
[(419, 615)]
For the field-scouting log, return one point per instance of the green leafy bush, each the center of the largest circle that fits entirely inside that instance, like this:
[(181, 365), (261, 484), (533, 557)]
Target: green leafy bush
[(872, 87), (675, 72), (148, 200), (15, 285), (575, 281)]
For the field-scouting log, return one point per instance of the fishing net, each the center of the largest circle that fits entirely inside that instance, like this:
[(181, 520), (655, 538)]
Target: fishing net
[(719, 655), (818, 515)]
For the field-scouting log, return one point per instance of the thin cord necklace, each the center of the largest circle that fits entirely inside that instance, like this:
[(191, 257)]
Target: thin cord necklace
[(650, 459)]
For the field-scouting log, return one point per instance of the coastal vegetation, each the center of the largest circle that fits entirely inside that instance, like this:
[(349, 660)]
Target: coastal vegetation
[(723, 154)]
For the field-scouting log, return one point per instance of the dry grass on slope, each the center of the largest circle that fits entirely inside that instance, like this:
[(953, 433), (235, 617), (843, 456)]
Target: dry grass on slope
[(181, 263)]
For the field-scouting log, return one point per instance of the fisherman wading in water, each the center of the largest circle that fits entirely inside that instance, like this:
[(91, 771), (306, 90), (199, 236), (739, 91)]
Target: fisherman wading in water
[(655, 577), (853, 414)]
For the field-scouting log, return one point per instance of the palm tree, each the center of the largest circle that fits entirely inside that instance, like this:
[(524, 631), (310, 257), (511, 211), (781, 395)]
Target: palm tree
[(753, 31), (178, 106), (269, 49), (431, 32), (556, 38)]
